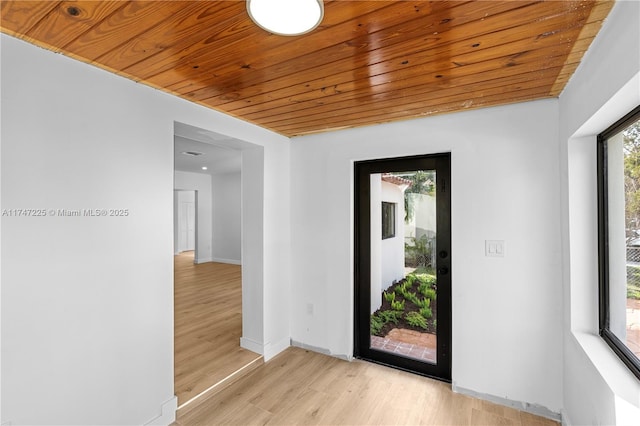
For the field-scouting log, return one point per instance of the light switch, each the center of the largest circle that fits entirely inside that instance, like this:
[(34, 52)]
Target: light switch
[(494, 248)]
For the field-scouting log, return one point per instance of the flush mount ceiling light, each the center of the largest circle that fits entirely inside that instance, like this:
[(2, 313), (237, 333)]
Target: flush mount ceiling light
[(286, 17), (191, 153)]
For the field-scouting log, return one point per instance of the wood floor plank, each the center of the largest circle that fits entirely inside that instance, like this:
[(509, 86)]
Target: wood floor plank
[(208, 325), (307, 388)]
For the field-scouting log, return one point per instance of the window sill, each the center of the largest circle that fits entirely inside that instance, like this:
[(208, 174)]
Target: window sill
[(621, 381)]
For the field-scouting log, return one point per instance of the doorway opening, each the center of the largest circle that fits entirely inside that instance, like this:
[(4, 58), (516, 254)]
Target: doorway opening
[(403, 263), (210, 261)]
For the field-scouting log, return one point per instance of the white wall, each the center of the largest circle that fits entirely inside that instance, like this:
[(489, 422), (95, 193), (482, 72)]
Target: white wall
[(392, 261), (506, 311), (423, 221), (598, 388), (387, 256), (202, 184), (87, 333), (227, 208)]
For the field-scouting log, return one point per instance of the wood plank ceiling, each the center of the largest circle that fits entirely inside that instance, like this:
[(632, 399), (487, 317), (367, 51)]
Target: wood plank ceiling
[(369, 61)]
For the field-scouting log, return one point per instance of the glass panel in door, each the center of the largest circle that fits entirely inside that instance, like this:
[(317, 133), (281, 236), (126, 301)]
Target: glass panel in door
[(403, 258)]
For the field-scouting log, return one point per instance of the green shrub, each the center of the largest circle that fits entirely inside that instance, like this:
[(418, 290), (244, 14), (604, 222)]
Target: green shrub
[(426, 312), (411, 297), (633, 294), (375, 325), (389, 297), (397, 305), (425, 278), (409, 279), (403, 286), (382, 318), (424, 303), (426, 282), (416, 320), (390, 316), (404, 291), (430, 294), (423, 287)]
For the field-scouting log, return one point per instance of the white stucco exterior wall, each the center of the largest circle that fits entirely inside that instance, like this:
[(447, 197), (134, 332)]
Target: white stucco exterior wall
[(387, 255), (392, 249)]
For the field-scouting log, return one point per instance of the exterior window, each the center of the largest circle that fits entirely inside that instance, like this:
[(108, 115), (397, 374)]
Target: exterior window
[(619, 238), (388, 220)]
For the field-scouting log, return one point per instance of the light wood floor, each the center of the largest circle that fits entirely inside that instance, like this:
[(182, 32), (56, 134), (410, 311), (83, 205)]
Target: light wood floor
[(208, 325), (301, 387)]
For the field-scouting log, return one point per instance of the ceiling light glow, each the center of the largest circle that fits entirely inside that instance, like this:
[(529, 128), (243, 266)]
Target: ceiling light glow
[(204, 167), (286, 17)]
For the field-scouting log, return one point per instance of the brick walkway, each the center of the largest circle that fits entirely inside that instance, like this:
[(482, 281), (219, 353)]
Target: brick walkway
[(413, 344)]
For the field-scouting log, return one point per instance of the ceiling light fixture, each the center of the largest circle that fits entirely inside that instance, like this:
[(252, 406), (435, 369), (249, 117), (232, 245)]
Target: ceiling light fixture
[(191, 153), (286, 17), (204, 167)]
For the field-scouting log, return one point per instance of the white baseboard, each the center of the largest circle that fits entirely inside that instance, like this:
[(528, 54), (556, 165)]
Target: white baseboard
[(251, 345), (229, 261), (320, 350), (167, 413), (268, 350), (535, 409), (273, 349), (310, 347), (217, 259)]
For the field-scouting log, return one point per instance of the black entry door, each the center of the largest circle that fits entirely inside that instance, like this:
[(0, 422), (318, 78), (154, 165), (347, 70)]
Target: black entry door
[(403, 263)]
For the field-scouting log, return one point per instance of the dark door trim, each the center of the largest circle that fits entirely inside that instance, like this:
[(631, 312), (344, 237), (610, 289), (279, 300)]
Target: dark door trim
[(362, 262)]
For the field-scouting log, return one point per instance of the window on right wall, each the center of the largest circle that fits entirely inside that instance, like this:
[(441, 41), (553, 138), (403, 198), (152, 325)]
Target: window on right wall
[(619, 238)]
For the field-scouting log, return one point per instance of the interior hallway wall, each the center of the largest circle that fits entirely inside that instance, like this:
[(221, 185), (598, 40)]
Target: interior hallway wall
[(227, 215)]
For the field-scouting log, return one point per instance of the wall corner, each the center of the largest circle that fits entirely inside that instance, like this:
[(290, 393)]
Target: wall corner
[(167, 413)]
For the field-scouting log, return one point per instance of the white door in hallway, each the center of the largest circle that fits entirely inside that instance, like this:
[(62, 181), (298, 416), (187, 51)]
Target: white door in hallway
[(186, 221)]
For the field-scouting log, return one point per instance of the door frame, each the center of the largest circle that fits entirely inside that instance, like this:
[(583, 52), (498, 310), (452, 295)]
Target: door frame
[(362, 262)]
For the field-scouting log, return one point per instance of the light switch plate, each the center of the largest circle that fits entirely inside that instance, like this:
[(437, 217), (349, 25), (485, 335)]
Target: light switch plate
[(494, 248)]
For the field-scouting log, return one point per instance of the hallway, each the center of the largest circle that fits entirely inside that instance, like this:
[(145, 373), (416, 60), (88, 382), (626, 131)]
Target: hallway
[(208, 325)]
